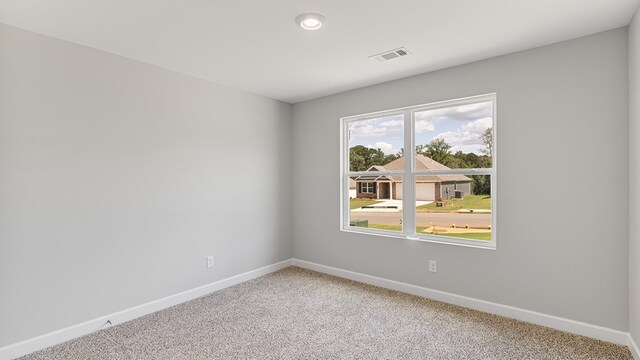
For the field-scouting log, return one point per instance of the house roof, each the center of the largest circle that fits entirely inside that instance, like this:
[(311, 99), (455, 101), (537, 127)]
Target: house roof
[(422, 163), (374, 177)]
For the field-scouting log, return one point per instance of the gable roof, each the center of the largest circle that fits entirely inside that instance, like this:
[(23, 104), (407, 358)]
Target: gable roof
[(422, 163)]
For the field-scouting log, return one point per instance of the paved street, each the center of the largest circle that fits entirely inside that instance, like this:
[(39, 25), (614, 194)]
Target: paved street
[(389, 203), (425, 219)]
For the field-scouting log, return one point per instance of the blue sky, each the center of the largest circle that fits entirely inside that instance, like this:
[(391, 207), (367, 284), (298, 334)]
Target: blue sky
[(460, 126)]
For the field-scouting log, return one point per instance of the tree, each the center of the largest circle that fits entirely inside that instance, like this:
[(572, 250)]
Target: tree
[(357, 162), (362, 158), (487, 139), (456, 161), (437, 150), (470, 160), (480, 184)]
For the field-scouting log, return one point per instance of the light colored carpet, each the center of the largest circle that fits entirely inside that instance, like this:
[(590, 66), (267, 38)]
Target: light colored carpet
[(300, 314)]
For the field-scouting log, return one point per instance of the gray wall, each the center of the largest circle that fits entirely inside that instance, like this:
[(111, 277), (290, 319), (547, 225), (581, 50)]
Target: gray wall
[(562, 118), (634, 178), (118, 178)]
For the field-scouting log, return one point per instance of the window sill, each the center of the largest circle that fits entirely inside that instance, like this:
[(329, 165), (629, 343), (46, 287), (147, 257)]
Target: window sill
[(425, 238)]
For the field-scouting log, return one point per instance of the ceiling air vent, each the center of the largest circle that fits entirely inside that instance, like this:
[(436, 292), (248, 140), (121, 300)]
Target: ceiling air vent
[(389, 55)]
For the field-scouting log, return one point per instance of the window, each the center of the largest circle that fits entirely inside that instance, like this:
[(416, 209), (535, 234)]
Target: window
[(367, 188), (443, 191)]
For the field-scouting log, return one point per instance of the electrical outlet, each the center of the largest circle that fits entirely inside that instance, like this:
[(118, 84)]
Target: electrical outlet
[(210, 261), (433, 265)]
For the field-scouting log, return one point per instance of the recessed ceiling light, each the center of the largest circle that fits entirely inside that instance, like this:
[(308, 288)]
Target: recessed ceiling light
[(310, 21)]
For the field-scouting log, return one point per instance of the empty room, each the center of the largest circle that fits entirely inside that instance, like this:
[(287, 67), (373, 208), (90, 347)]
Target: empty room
[(305, 179)]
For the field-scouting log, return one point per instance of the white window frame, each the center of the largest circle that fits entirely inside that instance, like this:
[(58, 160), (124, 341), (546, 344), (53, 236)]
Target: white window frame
[(408, 174)]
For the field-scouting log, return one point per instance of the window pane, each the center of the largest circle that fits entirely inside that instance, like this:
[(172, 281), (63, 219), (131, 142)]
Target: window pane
[(381, 208), (456, 206), (375, 142), (455, 137)]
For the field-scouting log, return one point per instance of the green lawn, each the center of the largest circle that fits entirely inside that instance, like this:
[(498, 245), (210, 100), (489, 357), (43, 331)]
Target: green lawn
[(420, 229), (468, 202), (473, 236), (358, 203)]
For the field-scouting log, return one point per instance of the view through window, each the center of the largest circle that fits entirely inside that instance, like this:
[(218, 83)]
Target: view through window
[(443, 189)]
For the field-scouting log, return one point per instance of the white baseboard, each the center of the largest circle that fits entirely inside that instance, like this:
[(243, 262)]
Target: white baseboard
[(633, 347), (72, 332), (555, 322)]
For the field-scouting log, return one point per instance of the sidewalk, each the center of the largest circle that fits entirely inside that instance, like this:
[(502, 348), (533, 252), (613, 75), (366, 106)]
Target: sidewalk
[(384, 204)]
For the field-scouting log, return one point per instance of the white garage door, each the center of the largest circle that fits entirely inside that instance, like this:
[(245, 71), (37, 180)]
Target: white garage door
[(425, 192), (398, 191)]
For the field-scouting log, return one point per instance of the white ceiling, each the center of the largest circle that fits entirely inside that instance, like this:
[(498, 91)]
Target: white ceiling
[(254, 45)]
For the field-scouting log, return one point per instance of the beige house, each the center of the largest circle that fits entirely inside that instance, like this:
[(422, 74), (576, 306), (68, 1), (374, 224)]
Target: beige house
[(352, 189), (428, 187)]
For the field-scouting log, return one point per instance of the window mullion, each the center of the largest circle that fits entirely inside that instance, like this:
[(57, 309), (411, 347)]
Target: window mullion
[(408, 189), (458, 171), (378, 173)]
